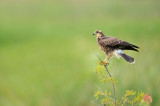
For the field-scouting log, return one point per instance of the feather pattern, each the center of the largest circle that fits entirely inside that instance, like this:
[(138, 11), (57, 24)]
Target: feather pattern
[(116, 43)]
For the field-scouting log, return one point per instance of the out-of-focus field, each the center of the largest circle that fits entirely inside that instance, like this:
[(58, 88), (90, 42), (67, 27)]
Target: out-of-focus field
[(47, 51)]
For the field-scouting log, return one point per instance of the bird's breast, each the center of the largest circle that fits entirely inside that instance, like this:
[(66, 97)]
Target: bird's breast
[(106, 49)]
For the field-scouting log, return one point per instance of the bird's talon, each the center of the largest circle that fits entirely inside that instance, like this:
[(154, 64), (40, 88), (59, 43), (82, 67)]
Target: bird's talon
[(104, 63)]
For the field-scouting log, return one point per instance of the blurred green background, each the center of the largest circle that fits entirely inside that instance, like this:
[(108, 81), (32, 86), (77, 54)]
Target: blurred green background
[(47, 51)]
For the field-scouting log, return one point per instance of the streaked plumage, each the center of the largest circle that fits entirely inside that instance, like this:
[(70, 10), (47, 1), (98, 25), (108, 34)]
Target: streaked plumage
[(114, 46)]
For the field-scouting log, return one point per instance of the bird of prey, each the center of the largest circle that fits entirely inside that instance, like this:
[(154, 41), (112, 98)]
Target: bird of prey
[(113, 46)]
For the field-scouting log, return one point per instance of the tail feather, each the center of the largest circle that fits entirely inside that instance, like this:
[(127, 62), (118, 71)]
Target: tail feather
[(127, 58), (130, 48), (133, 45)]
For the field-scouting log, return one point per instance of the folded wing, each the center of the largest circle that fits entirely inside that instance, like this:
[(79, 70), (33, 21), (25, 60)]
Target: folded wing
[(116, 43)]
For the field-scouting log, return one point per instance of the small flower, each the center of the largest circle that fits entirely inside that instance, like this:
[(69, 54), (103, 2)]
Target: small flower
[(130, 92), (103, 75), (147, 98), (103, 80), (109, 93), (106, 92), (97, 94)]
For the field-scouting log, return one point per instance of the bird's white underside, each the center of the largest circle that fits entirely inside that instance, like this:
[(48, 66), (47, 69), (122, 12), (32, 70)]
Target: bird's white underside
[(118, 52)]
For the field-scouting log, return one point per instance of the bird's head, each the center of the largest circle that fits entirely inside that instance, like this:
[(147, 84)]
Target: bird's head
[(98, 33)]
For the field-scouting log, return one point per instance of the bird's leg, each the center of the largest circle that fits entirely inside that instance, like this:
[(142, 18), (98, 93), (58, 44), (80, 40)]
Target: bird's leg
[(105, 62)]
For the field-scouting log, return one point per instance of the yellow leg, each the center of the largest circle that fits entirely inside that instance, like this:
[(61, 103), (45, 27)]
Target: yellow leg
[(105, 62)]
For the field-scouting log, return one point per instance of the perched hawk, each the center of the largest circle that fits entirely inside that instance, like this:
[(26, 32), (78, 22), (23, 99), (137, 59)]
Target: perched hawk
[(114, 47)]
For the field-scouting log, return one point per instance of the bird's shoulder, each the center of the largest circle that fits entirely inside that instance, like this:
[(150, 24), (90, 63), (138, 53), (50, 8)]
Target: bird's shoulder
[(109, 40)]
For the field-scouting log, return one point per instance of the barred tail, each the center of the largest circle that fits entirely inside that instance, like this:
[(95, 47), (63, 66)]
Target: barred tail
[(127, 58)]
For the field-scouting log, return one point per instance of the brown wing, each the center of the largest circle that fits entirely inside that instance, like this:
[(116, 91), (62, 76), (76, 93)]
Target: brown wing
[(116, 43)]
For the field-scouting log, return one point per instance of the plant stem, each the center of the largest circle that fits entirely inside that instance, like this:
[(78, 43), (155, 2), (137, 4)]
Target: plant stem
[(114, 91)]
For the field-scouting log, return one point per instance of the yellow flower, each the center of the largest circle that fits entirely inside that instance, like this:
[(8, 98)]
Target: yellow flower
[(103, 80)]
